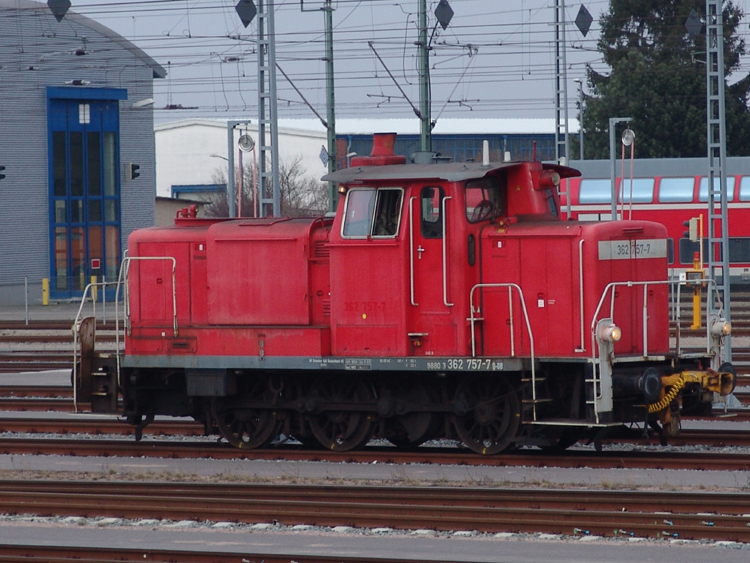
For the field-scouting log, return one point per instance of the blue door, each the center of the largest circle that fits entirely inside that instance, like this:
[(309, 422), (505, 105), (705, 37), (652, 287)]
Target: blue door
[(84, 189)]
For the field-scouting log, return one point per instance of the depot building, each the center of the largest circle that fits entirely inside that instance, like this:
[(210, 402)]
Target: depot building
[(77, 147)]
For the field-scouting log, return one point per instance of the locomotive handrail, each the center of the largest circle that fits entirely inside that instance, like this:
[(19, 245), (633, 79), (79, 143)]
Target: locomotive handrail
[(76, 326), (472, 319), (645, 284), (445, 254), (580, 294), (411, 250), (610, 290), (122, 282)]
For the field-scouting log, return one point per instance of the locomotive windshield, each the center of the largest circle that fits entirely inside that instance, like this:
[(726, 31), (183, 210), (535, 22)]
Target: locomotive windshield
[(483, 200), (371, 212)]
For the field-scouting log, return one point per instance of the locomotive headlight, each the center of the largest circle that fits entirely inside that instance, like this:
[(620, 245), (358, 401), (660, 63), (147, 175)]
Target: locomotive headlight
[(610, 333), (721, 327)]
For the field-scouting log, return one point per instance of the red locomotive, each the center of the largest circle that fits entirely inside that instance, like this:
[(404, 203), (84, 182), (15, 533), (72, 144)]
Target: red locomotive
[(441, 301)]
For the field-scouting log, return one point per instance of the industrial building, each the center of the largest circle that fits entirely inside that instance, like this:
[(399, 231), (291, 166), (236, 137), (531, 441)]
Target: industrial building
[(77, 147)]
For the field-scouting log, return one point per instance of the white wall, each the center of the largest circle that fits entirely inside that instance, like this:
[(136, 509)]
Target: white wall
[(183, 150)]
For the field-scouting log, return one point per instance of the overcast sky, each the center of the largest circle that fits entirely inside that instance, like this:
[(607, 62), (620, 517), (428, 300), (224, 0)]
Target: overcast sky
[(495, 59)]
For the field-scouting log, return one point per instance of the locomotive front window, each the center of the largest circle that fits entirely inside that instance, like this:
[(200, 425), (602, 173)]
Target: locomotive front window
[(483, 200), (372, 212)]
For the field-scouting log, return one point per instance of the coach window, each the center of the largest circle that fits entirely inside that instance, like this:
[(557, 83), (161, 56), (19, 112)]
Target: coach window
[(676, 190), (641, 190), (739, 250), (688, 248), (431, 199), (372, 212), (483, 200), (703, 189), (745, 188), (670, 251), (595, 191)]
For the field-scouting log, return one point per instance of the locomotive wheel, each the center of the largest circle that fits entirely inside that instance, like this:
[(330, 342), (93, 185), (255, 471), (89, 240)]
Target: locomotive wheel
[(246, 427), (412, 429), (342, 430), (488, 414)]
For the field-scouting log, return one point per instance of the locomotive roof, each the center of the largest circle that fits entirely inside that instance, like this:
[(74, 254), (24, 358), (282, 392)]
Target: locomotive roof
[(451, 172)]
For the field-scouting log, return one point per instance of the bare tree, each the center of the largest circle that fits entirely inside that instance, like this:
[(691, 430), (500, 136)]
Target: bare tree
[(301, 195), (219, 206)]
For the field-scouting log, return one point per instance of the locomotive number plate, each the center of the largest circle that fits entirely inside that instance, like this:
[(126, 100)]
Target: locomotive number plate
[(465, 364), (627, 249)]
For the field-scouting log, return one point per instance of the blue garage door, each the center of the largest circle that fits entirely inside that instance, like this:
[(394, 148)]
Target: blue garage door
[(84, 193)]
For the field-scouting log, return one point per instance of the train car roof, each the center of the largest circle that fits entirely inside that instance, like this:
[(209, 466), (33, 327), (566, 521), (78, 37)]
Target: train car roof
[(451, 172)]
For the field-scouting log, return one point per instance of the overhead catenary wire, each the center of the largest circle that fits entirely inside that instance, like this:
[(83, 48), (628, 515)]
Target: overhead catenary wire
[(515, 42)]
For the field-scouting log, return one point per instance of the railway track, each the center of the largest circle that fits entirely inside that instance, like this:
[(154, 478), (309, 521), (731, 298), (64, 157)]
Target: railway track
[(183, 449), (691, 515), (81, 554), (184, 427)]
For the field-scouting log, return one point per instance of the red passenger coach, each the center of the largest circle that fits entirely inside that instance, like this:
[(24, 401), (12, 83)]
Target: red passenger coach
[(441, 301)]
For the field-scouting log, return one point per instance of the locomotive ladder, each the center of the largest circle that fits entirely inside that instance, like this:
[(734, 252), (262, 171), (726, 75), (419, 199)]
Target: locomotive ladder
[(534, 380), (718, 228)]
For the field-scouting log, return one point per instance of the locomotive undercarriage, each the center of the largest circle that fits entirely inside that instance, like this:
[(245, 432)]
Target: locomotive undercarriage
[(487, 412)]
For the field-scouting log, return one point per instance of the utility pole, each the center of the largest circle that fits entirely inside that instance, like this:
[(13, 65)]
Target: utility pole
[(331, 103), (425, 136), (562, 136), (718, 224), (270, 195)]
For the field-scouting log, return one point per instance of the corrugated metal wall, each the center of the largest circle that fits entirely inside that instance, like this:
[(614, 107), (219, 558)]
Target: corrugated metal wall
[(36, 51)]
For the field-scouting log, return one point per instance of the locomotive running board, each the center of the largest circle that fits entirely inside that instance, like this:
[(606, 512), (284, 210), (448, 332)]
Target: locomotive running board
[(423, 363)]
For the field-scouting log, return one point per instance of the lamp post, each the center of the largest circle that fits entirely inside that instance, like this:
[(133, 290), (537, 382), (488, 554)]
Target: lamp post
[(580, 113), (613, 121)]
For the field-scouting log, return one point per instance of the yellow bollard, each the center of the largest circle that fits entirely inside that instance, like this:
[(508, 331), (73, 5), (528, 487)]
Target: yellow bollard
[(696, 308), (698, 269), (45, 291), (93, 288)]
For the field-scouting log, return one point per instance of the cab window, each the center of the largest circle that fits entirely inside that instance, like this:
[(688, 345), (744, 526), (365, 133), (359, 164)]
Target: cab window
[(483, 200), (371, 212), (431, 206)]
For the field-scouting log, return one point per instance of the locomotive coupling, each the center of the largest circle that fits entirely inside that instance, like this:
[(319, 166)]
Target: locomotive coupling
[(722, 382)]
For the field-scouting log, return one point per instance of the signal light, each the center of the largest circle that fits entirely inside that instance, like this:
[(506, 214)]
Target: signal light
[(692, 232), (2, 168), (133, 171)]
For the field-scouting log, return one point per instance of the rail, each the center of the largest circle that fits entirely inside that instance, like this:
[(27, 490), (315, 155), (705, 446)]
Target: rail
[(473, 319)]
